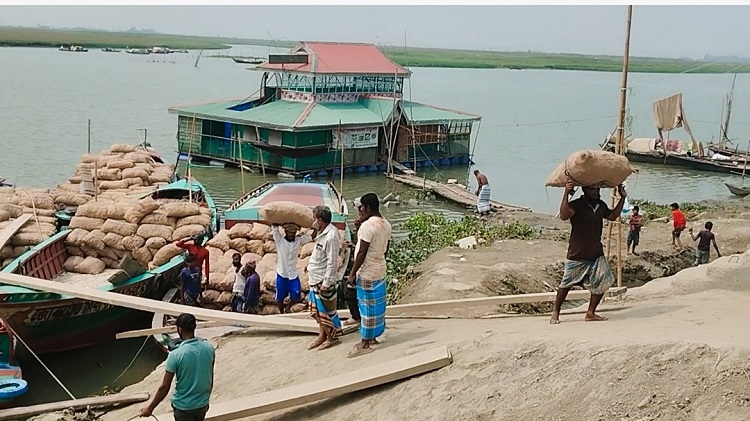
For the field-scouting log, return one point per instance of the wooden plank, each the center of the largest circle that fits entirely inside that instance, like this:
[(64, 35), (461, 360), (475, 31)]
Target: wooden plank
[(305, 393), (497, 300), (24, 412), (154, 306), (11, 229), (166, 329)]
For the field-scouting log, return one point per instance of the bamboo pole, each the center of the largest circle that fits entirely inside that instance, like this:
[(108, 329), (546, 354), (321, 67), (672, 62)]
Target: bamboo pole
[(260, 154), (341, 187), (242, 166), (619, 145)]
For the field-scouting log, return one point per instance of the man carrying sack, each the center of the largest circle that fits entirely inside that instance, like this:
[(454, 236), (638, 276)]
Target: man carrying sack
[(586, 264)]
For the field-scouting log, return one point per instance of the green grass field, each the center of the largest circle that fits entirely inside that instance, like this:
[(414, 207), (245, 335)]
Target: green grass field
[(413, 57)]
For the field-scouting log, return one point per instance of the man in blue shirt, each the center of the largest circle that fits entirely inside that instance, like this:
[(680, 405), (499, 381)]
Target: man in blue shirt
[(193, 365), (190, 282)]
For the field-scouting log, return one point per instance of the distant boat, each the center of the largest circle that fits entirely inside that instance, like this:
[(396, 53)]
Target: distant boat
[(138, 51), (181, 51), (73, 48), (247, 61), (110, 50), (160, 50)]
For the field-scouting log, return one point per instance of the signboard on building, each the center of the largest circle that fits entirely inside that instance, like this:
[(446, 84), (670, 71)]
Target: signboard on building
[(356, 138)]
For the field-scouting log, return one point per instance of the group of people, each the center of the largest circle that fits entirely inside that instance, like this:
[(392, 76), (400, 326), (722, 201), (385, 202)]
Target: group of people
[(704, 237), (191, 365)]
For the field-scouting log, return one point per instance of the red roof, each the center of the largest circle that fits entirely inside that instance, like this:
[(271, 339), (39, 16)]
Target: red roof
[(340, 58)]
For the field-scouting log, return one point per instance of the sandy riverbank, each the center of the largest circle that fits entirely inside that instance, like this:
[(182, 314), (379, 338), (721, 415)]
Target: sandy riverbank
[(672, 350)]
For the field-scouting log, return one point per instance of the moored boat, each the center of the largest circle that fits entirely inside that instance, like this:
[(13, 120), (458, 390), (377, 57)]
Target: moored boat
[(73, 48), (52, 322), (110, 50), (740, 191)]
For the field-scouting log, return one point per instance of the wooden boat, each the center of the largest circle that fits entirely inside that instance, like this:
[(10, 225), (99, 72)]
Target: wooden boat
[(51, 322), (138, 51), (110, 50), (738, 191), (73, 48), (12, 384), (247, 61)]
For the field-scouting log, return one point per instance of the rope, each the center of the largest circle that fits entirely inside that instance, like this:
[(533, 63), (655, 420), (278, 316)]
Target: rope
[(42, 363), (131, 361), (36, 217)]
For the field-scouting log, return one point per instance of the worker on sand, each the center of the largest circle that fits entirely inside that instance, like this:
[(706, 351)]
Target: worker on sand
[(323, 273), (287, 253), (705, 238), (585, 264), (483, 193), (679, 225), (193, 365), (634, 230), (369, 271)]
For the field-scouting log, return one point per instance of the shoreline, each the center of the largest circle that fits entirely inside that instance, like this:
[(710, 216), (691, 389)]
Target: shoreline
[(409, 57)]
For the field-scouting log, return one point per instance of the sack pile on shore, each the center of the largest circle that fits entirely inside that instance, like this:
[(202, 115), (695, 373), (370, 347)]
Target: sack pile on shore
[(15, 202), (254, 241), (145, 230)]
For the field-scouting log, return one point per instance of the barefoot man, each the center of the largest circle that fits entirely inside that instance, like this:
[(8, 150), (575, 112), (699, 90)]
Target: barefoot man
[(322, 272), (483, 193), (585, 264)]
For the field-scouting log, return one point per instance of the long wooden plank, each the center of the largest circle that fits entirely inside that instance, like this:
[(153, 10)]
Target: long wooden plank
[(11, 229), (166, 329), (154, 306), (24, 412), (341, 384)]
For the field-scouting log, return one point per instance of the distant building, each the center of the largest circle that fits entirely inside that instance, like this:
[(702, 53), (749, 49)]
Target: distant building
[(317, 98)]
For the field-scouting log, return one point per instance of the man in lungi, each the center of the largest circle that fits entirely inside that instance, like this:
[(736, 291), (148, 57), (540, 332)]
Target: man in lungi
[(483, 193), (322, 271), (586, 264), (368, 272)]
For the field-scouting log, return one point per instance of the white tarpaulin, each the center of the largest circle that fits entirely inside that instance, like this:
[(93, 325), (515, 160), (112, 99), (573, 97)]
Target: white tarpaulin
[(356, 138)]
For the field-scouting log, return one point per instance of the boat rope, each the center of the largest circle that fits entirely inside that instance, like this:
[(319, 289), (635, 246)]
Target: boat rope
[(36, 217), (42, 363), (132, 361)]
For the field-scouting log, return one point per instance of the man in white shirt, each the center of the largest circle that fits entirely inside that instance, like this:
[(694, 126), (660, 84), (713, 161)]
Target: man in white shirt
[(369, 272), (287, 253), (322, 271)]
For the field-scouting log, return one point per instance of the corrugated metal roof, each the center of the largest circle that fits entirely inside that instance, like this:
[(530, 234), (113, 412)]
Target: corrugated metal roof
[(423, 113), (340, 58), (291, 115)]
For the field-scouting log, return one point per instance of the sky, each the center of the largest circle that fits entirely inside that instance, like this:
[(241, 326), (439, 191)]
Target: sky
[(658, 31)]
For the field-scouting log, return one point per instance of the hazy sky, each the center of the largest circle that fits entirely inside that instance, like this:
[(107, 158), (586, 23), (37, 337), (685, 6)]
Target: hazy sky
[(666, 31)]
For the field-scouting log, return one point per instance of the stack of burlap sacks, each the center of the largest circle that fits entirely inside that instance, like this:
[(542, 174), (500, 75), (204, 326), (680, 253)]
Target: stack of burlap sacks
[(15, 202), (254, 242), (145, 230)]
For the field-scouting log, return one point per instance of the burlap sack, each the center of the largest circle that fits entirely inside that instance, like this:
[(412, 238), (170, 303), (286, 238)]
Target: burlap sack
[(110, 263), (219, 241), (139, 157), (255, 246), (306, 250), (4, 215), (93, 210), (214, 253), (159, 218), (9, 198), (38, 201), (188, 231), (145, 167), (135, 173), (304, 280), (90, 266), (71, 263), (19, 251), (181, 209), (77, 236), (269, 246), (71, 199), (14, 211), (155, 243), (122, 147), (282, 212), (75, 180), (117, 211), (40, 212), (166, 253), (94, 239), (225, 298), (133, 242), (143, 256), (133, 183), (113, 185), (241, 230), (251, 256), (260, 232), (591, 168), (108, 174), (89, 158), (89, 224), (268, 280), (114, 241), (238, 245), (88, 251), (124, 229), (151, 230), (121, 164), (159, 178), (6, 252), (269, 260), (221, 282), (211, 296), (298, 308), (202, 220), (75, 251), (141, 209)]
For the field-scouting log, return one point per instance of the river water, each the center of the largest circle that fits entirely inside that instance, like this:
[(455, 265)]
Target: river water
[(532, 119)]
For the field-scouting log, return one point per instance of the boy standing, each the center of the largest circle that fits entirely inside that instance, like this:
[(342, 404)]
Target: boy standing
[(634, 234), (679, 224), (705, 238)]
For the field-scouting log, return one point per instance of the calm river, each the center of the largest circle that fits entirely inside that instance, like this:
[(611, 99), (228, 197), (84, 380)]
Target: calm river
[(531, 121)]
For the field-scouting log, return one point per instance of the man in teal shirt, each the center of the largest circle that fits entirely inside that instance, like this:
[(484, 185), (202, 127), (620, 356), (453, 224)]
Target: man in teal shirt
[(193, 364)]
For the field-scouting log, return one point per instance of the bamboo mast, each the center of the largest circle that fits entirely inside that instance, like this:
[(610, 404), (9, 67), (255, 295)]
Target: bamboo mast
[(341, 186), (619, 145)]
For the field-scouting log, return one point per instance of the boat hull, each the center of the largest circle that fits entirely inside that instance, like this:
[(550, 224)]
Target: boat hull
[(738, 191)]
